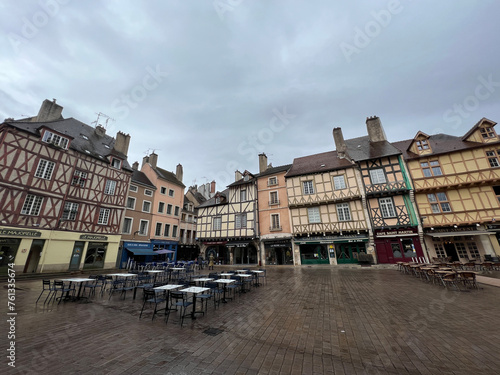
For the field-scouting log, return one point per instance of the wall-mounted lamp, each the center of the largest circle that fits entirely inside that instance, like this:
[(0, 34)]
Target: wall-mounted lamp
[(455, 226), (432, 228), (477, 224)]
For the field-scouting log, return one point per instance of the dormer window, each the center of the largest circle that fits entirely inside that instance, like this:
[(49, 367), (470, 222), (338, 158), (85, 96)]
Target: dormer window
[(217, 200), (246, 178), (55, 139), (488, 132), (116, 163), (422, 145)]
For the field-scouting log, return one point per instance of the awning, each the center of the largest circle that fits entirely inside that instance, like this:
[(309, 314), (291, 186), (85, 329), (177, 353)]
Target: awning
[(456, 234), (164, 251), (142, 252), (237, 244)]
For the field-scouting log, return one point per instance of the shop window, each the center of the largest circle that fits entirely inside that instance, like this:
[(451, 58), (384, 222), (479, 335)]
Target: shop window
[(439, 249), (96, 253)]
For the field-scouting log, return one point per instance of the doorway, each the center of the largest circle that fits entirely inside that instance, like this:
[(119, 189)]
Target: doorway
[(451, 251), (34, 256), (346, 253), (76, 256)]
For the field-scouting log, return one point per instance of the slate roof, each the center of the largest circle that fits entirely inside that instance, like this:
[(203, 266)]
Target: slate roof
[(211, 201), (361, 148), (169, 176), (318, 163), (83, 137), (274, 170), (140, 178)]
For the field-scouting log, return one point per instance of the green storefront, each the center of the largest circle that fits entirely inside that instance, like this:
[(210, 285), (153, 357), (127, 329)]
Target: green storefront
[(319, 250)]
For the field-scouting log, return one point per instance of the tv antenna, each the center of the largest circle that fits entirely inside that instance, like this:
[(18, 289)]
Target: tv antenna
[(99, 115)]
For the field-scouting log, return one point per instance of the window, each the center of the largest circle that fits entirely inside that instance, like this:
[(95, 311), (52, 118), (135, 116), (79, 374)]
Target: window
[(70, 211), (170, 193), (461, 250), (131, 203), (148, 192), (423, 144), (158, 229), (183, 217), (343, 212), (143, 227), (243, 195), (174, 231), (116, 163), (217, 200), (176, 211), (32, 205), (146, 206), (45, 169), (488, 132), (493, 158), (55, 139), (313, 215), (387, 207), (163, 190), (473, 250), (241, 221), (439, 249), (308, 187), (161, 207), (79, 178), (431, 169), (169, 209), (496, 190), (127, 225), (133, 188), (110, 187), (339, 182), (272, 181), (216, 223), (275, 222), (273, 197), (166, 233), (377, 176), (103, 216), (439, 203)]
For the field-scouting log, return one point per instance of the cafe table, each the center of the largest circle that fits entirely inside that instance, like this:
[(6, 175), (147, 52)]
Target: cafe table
[(246, 279), (194, 290), (226, 274), (202, 280), (224, 282), (77, 280), (167, 288), (257, 273), (155, 273), (176, 270)]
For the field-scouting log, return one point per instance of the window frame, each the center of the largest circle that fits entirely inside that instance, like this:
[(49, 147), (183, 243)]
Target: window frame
[(55, 139), (171, 193), (308, 187), (144, 202), (110, 187), (344, 211), (161, 207), (344, 183), (166, 230), (217, 223), (493, 159), (243, 195), (127, 219), (103, 218), (131, 199), (34, 207), (272, 181), (115, 163), (387, 202), (272, 221), (158, 229), (146, 228), (437, 204), (133, 188), (148, 192), (46, 170), (176, 210), (169, 209), (79, 178), (163, 190), (376, 175), (240, 221), (276, 200), (312, 217), (72, 212)]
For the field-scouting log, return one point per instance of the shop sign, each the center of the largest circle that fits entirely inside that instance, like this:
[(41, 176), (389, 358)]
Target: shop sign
[(93, 238), (20, 233), (452, 229), (396, 232)]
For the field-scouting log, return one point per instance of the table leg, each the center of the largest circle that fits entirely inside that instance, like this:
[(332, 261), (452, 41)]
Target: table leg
[(194, 307)]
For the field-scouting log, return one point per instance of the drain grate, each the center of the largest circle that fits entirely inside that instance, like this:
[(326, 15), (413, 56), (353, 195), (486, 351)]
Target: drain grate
[(213, 331)]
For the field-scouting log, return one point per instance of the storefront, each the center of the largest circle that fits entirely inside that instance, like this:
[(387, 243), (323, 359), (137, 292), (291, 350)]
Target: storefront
[(159, 245), (137, 252), (347, 248), (395, 245), (187, 252), (278, 252), (243, 252), (219, 251), (315, 250)]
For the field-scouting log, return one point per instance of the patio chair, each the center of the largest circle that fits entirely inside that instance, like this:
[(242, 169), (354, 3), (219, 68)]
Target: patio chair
[(216, 291), (451, 279), (65, 291), (46, 287), (468, 279), (121, 286), (151, 297), (180, 302)]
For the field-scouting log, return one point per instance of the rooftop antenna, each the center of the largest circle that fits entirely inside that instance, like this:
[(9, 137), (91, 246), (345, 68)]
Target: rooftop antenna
[(100, 114)]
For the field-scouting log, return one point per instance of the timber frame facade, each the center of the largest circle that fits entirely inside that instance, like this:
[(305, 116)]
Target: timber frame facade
[(63, 186), (457, 190), (227, 224)]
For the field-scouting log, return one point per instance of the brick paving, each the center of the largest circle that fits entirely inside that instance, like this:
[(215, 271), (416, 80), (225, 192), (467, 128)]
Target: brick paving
[(306, 320)]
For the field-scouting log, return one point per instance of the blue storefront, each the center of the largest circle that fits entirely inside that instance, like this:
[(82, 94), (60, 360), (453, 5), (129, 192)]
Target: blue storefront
[(159, 245), (139, 252)]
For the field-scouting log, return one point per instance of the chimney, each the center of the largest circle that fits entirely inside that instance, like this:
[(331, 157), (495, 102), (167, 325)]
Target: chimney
[(145, 160), (212, 187), (237, 175), (49, 111), (375, 130), (179, 172), (100, 131), (135, 166), (340, 145), (153, 160), (122, 142), (262, 162)]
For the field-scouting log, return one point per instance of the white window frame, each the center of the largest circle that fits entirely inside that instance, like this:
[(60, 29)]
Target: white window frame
[(272, 221), (243, 195), (32, 205), (131, 220), (45, 169), (314, 215), (344, 211), (104, 214), (116, 163), (274, 201), (217, 223), (339, 182), (174, 231), (144, 202), (163, 190), (161, 207), (308, 187), (158, 229), (387, 207), (133, 205), (377, 176), (145, 232), (70, 211), (166, 230), (79, 178), (148, 192), (171, 192), (492, 156), (240, 221), (110, 187), (55, 139), (133, 188), (272, 181)]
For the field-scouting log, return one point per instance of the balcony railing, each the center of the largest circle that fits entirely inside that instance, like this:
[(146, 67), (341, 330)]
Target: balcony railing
[(274, 202)]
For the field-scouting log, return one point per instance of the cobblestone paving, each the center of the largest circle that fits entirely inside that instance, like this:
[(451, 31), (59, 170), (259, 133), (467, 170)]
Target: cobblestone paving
[(306, 320)]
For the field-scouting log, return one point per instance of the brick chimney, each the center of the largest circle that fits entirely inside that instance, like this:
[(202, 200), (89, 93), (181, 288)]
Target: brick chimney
[(151, 159), (237, 175), (122, 142), (135, 166), (179, 173), (375, 130), (340, 145), (262, 162), (212, 187), (49, 111)]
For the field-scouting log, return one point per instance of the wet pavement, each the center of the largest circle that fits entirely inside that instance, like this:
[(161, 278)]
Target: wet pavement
[(305, 320)]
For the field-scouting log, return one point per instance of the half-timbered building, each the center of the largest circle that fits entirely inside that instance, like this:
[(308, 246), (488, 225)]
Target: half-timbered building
[(188, 247), (228, 223), (397, 233), (457, 190), (328, 219), (63, 186), (276, 239)]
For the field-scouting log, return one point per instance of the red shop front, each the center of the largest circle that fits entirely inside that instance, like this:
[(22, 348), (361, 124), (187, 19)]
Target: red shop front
[(398, 245)]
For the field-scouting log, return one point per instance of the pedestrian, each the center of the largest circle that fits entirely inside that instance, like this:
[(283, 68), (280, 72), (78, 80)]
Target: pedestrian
[(211, 262)]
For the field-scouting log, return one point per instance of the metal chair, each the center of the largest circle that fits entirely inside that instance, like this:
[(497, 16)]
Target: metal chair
[(151, 297), (179, 300), (47, 287), (60, 287)]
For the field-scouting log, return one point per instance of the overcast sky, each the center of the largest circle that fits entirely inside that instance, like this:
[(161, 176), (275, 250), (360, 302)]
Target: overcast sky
[(211, 84)]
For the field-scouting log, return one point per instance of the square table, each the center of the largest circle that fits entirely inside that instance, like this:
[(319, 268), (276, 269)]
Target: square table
[(256, 273), (225, 282), (195, 290), (77, 280), (227, 274), (202, 280), (245, 279)]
